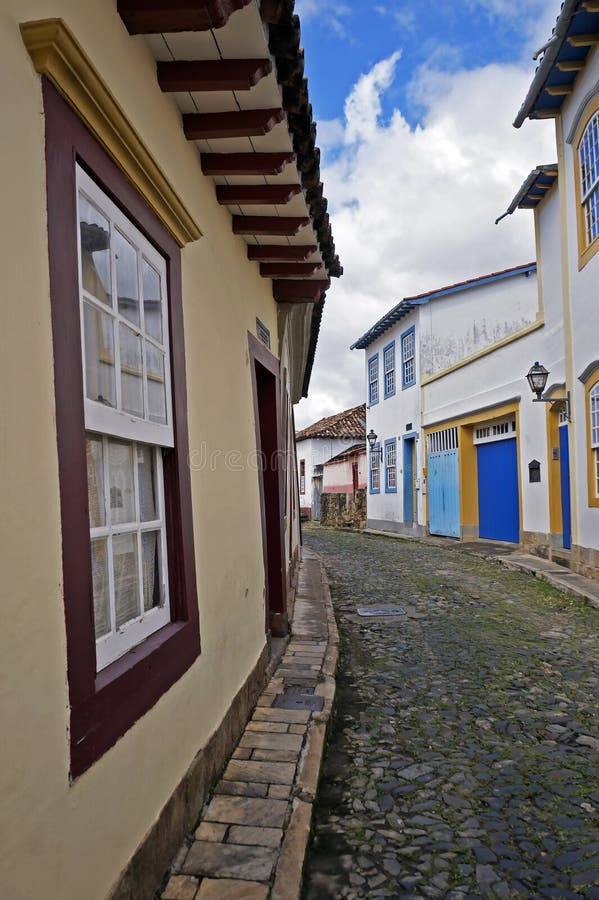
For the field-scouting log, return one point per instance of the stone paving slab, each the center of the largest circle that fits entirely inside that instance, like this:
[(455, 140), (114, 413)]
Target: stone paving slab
[(251, 840)]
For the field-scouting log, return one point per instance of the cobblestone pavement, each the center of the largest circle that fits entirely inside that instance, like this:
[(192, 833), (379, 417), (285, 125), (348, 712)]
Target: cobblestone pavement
[(464, 757)]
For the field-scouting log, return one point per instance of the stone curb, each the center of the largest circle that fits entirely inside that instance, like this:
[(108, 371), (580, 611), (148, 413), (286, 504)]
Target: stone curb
[(290, 865), (252, 837)]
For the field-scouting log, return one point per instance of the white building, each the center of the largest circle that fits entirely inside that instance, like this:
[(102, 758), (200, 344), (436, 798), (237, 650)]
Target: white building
[(450, 406), (566, 87), (318, 443)]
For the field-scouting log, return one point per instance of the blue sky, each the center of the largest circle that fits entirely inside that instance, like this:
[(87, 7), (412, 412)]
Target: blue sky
[(452, 34), (414, 104)]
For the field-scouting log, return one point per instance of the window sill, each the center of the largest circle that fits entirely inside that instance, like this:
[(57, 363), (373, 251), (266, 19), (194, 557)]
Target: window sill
[(128, 688)]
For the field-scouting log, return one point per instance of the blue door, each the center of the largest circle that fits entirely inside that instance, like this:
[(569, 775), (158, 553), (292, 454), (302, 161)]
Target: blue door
[(498, 502), (444, 493), (408, 480), (564, 471)]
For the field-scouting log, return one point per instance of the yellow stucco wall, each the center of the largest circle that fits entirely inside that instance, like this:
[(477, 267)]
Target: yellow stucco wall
[(71, 841)]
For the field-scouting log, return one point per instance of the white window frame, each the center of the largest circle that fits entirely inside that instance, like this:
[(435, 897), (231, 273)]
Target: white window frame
[(106, 422), (499, 430), (391, 465), (389, 369), (98, 417), (302, 476), (375, 469), (589, 178), (118, 641), (408, 358), (594, 421), (373, 380)]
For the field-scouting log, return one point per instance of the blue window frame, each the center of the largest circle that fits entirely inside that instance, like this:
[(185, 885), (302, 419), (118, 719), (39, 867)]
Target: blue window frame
[(408, 358), (391, 466), (588, 156), (375, 469), (373, 380), (389, 370)]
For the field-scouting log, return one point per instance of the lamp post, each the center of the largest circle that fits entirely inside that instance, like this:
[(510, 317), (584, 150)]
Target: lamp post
[(371, 438), (537, 378)]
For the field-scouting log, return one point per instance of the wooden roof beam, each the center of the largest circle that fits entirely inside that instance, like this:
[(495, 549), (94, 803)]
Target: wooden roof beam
[(591, 6), (582, 40), (306, 291), (212, 74), (239, 123), (559, 90), (571, 65), (286, 226), (289, 269), (156, 16), (245, 163), (546, 113), (277, 252), (256, 194)]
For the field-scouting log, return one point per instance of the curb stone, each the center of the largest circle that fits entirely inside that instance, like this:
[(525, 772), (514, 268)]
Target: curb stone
[(269, 785)]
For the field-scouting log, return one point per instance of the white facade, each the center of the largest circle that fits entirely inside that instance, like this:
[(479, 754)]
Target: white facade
[(312, 453), (474, 344)]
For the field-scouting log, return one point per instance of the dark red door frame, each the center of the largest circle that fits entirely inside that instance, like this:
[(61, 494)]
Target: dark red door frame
[(266, 390)]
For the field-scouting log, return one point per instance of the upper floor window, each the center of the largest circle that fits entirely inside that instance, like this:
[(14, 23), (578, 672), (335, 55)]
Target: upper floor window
[(588, 157), (389, 369), (373, 380), (408, 358)]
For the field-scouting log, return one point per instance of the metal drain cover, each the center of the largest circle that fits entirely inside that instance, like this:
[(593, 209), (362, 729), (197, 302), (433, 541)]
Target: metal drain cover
[(299, 701), (381, 611)]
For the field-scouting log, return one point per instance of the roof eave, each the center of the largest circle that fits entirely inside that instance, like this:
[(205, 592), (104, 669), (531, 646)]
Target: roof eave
[(554, 46)]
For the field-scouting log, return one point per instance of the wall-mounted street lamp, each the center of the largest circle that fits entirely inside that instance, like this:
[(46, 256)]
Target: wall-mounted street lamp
[(371, 438), (537, 379)]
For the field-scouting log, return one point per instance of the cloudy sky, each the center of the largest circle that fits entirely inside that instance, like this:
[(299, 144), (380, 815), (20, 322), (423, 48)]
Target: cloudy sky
[(414, 104)]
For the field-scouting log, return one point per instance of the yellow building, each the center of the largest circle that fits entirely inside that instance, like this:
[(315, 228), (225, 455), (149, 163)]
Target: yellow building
[(166, 251)]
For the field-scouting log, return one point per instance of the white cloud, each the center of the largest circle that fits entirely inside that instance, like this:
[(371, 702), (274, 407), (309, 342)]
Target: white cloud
[(413, 207), (334, 18)]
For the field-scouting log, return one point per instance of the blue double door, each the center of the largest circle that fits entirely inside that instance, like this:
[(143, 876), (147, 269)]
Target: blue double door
[(444, 493), (498, 496)]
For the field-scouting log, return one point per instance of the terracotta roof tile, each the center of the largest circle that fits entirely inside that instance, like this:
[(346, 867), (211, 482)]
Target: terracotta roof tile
[(351, 424)]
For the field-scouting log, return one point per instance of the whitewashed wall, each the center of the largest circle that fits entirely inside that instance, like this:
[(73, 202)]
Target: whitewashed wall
[(584, 304), (317, 451)]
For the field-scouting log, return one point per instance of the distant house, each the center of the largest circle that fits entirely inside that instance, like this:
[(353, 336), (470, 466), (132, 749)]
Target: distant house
[(445, 371), (317, 444), (344, 484)]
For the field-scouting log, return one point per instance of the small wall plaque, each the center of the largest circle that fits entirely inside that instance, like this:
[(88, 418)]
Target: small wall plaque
[(263, 333)]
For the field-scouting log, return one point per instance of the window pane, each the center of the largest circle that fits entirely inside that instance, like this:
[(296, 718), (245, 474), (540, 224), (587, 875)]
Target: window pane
[(146, 478), (95, 482), (100, 382), (122, 491), (156, 386), (132, 397), (152, 301), (150, 542), (126, 587), (101, 588), (95, 251), (126, 278)]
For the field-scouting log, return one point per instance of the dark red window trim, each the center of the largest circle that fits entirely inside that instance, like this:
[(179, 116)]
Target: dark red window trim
[(105, 705)]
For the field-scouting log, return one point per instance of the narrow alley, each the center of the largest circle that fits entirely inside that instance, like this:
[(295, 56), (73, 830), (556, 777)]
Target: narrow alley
[(464, 755)]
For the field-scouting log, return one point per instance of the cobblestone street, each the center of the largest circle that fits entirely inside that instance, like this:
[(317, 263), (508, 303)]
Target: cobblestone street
[(464, 755)]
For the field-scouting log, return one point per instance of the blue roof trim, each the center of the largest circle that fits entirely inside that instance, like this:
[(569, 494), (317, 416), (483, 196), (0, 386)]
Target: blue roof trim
[(543, 177), (408, 304), (573, 20)]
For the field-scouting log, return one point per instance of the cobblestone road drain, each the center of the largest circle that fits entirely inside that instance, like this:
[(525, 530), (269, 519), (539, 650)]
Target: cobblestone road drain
[(464, 758)]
